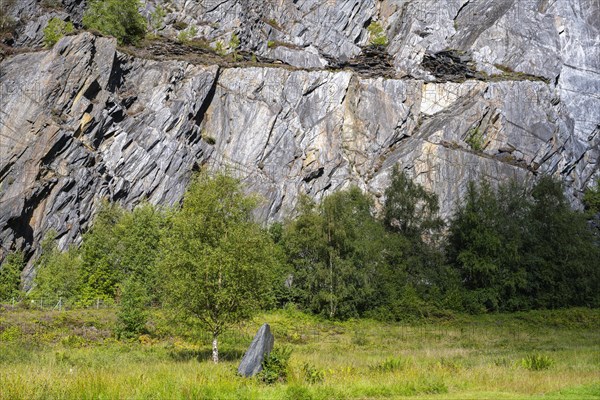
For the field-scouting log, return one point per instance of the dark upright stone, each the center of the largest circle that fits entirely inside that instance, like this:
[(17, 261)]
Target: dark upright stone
[(261, 346)]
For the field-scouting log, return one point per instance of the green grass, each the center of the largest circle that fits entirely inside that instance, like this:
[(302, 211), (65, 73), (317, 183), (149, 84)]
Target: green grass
[(73, 355)]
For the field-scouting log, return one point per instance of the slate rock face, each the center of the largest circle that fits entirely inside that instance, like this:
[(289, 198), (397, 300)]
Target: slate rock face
[(261, 346), (82, 123), (87, 121)]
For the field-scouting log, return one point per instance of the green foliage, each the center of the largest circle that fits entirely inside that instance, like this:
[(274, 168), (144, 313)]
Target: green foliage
[(220, 48), (132, 314), (218, 264), (234, 45), (517, 249), (118, 18), (100, 262), (10, 275), (335, 250), (312, 374), (56, 29), (139, 234), (234, 42), (58, 273), (10, 334), (562, 257), (591, 198), (475, 139), (120, 245), (410, 209), (537, 362), (275, 366), (187, 35), (377, 35), (347, 263), (411, 214), (390, 365), (454, 356), (157, 18)]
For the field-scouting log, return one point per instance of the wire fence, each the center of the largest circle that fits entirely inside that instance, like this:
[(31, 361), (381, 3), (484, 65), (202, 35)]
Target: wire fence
[(56, 303)]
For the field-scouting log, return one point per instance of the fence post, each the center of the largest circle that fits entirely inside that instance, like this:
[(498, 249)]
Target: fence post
[(58, 305), (97, 303), (13, 301)]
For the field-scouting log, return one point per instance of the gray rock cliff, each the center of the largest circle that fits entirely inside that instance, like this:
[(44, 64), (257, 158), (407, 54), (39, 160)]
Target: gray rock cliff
[(465, 90)]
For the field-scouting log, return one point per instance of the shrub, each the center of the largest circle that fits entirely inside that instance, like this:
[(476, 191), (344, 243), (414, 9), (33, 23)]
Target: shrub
[(10, 334), (275, 366), (118, 18), (58, 273), (234, 45), (475, 139), (390, 365), (187, 35), (377, 34), (132, 316), (537, 362), (234, 42), (10, 276), (220, 48), (56, 29), (312, 374), (591, 198)]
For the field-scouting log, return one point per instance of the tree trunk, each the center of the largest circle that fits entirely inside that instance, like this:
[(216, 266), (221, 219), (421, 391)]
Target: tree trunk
[(215, 348)]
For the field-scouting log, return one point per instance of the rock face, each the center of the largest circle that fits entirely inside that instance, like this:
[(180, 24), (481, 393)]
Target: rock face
[(465, 90), (261, 346)]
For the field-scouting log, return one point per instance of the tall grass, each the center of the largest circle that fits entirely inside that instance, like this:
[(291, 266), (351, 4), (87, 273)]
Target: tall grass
[(72, 355)]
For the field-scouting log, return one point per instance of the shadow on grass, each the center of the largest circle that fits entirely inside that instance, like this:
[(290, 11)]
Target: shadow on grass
[(185, 355)]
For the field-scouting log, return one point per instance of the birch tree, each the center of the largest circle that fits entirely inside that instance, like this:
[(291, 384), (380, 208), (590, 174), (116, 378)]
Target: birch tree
[(217, 265)]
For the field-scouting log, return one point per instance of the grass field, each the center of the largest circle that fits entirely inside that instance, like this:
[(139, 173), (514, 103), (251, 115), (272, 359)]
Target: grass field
[(73, 355)]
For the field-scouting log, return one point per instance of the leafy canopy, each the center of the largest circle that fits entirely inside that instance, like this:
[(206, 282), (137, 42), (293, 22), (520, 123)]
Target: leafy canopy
[(335, 251), (409, 209), (10, 275), (118, 18), (591, 198), (516, 248), (217, 264), (58, 273)]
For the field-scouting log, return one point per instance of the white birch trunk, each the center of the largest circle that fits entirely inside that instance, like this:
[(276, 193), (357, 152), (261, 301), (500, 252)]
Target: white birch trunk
[(215, 349)]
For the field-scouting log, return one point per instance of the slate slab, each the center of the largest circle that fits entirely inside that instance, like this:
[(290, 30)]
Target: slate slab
[(261, 346)]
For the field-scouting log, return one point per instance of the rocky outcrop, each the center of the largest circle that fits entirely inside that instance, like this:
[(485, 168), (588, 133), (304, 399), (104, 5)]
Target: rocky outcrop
[(466, 90), (82, 123)]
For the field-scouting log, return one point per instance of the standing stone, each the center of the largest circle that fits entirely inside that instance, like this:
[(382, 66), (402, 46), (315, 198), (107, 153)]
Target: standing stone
[(261, 346)]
